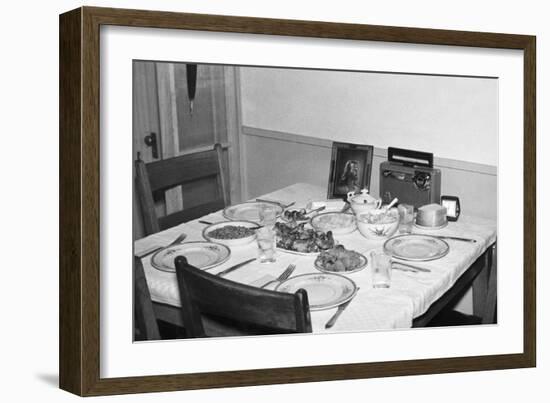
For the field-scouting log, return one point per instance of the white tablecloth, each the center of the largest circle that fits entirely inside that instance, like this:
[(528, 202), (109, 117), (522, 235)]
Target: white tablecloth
[(409, 296)]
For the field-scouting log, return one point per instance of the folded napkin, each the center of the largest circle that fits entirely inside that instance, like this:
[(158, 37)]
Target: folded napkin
[(331, 205)]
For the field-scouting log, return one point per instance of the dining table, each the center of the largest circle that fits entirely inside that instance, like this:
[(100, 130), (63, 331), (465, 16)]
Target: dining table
[(412, 299)]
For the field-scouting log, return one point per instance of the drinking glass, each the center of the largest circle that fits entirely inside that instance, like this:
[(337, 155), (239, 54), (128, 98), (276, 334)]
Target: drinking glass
[(266, 244), (268, 216), (381, 269), (406, 218)]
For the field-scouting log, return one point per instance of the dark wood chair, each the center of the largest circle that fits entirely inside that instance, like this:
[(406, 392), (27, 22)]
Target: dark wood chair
[(166, 174), (145, 322), (213, 306)]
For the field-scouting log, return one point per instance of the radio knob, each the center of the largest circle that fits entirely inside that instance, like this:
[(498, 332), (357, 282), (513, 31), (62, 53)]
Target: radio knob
[(421, 180)]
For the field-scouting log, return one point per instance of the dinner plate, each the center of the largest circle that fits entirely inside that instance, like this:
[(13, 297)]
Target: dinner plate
[(324, 290), (361, 266), (202, 255), (416, 247), (295, 252), (337, 222), (249, 211)]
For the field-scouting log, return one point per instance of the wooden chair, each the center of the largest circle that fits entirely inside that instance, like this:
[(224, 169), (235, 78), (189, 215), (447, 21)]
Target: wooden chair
[(214, 306), (145, 322), (169, 173)]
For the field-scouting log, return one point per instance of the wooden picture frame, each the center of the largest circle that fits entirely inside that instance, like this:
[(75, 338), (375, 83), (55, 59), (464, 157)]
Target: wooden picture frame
[(360, 155), (79, 277)]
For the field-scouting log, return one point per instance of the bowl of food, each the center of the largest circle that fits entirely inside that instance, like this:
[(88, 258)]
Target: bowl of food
[(336, 222), (378, 224), (231, 233), (340, 260)]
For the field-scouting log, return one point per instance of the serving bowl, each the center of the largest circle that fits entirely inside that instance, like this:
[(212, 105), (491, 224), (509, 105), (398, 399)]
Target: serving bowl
[(378, 224), (337, 222), (207, 233)]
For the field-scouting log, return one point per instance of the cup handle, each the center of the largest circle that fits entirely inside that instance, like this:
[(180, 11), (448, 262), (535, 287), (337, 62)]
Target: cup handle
[(378, 203)]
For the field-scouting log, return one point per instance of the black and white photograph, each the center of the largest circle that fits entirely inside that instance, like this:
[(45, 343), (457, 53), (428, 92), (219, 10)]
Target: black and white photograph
[(271, 200), (351, 168)]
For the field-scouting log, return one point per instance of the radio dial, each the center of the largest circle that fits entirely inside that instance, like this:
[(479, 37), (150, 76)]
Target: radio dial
[(422, 180)]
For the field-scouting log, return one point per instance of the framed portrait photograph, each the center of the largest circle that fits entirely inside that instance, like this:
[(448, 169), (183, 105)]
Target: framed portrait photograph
[(351, 167), (199, 244)]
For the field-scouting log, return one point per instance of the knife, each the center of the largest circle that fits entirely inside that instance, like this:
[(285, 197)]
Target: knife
[(455, 238), (235, 267), (346, 207), (283, 205), (404, 269), (341, 309), (411, 266)]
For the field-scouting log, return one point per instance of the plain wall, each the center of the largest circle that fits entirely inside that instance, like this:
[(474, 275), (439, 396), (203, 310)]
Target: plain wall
[(452, 117)]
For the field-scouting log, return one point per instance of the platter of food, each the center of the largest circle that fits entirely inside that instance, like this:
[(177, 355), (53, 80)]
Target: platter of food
[(336, 222), (340, 260), (300, 215), (231, 233), (296, 215), (301, 239), (324, 290), (202, 255), (250, 211)]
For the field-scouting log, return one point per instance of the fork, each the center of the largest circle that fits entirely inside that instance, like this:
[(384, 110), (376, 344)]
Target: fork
[(176, 241), (284, 275)]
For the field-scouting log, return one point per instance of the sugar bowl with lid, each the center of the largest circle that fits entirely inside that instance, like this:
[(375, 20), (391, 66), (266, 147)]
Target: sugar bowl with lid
[(363, 202)]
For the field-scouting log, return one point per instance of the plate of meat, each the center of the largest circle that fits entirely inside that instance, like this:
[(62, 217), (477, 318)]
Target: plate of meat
[(301, 239), (340, 260)]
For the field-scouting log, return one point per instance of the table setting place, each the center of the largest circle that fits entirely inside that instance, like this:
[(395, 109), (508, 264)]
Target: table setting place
[(364, 265)]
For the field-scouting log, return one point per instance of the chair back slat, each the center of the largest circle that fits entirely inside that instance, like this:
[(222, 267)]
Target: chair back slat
[(190, 213), (179, 171), (261, 310), (166, 174)]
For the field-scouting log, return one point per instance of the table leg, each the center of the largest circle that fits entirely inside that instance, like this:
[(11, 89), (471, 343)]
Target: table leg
[(484, 287), (489, 315)]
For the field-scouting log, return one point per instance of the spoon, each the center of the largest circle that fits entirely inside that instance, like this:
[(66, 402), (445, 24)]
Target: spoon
[(316, 210), (395, 200)]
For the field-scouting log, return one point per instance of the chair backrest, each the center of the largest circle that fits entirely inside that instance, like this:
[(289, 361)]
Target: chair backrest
[(145, 322), (257, 310), (172, 172)]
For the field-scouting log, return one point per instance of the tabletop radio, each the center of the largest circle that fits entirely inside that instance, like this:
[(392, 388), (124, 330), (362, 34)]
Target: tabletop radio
[(410, 176)]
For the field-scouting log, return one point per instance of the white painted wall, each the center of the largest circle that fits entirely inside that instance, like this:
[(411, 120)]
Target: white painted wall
[(453, 117)]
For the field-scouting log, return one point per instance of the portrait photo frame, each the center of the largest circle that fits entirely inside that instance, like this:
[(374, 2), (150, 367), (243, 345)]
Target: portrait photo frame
[(82, 242), (344, 157)]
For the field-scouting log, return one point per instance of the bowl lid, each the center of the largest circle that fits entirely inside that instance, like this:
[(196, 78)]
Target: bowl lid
[(363, 199)]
